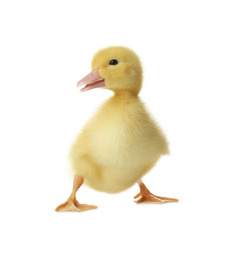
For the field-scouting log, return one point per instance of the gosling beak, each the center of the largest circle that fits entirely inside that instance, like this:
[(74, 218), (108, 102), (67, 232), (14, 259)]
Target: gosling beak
[(92, 80)]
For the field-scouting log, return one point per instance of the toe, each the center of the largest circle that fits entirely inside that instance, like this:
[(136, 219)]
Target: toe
[(137, 196), (85, 207)]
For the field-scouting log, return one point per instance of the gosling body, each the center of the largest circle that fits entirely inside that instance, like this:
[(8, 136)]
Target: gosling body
[(121, 142), (118, 145)]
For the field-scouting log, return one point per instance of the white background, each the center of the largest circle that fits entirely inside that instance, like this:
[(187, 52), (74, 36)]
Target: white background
[(46, 47)]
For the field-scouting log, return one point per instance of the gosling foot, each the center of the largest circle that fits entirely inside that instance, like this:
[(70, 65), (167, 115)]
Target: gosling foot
[(146, 196), (74, 205), (153, 199)]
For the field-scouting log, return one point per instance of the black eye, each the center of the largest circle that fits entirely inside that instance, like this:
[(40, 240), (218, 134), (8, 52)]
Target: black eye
[(113, 62)]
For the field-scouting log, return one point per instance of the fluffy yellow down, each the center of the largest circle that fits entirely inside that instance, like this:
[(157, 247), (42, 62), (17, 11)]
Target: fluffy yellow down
[(121, 142)]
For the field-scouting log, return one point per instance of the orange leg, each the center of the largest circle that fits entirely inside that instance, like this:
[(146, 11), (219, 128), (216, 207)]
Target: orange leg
[(146, 196), (72, 204)]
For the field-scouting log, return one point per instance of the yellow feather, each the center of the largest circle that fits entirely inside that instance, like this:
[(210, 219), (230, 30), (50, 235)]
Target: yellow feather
[(121, 142)]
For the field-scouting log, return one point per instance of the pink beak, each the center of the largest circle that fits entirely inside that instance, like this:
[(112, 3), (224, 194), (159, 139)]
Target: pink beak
[(92, 80)]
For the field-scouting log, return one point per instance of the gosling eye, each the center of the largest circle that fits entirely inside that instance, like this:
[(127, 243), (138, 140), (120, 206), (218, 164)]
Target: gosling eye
[(113, 62)]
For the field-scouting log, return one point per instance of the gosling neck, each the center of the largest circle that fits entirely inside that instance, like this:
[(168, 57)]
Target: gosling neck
[(123, 94)]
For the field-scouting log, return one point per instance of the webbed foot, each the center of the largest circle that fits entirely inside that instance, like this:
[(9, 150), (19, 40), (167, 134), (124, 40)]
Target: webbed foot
[(74, 205), (146, 196)]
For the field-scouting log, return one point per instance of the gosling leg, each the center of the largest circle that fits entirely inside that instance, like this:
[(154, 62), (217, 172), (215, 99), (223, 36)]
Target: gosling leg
[(72, 204)]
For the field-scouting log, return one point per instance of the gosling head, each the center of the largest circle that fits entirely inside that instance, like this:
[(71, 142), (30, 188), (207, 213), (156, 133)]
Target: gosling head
[(114, 68)]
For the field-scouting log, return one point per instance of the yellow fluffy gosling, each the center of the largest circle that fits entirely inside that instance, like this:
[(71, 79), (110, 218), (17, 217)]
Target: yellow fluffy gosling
[(121, 142)]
